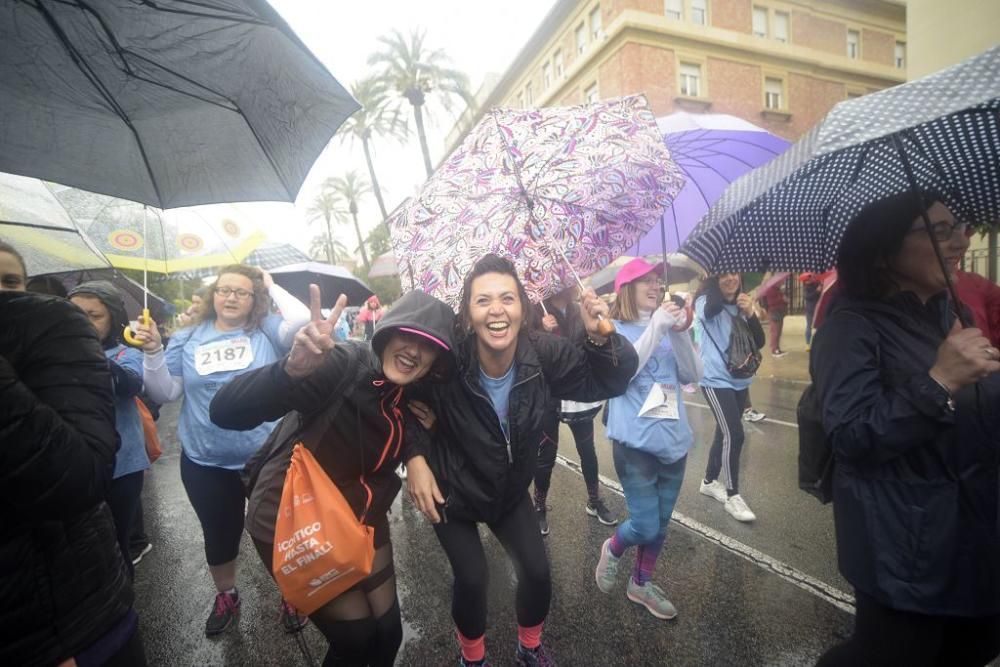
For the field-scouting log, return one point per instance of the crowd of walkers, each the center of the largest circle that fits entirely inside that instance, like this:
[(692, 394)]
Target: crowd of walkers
[(907, 378)]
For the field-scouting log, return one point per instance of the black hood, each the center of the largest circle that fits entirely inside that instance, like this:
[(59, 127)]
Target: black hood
[(113, 301), (419, 311)]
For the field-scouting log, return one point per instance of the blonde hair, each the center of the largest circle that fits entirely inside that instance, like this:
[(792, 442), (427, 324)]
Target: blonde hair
[(625, 309)]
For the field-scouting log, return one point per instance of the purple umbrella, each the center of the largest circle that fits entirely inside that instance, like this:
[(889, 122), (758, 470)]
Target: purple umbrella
[(562, 191), (712, 150)]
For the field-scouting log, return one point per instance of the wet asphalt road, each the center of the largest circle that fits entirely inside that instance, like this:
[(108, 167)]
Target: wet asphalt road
[(758, 594)]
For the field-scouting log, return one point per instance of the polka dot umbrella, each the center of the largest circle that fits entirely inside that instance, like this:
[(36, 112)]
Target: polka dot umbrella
[(938, 133)]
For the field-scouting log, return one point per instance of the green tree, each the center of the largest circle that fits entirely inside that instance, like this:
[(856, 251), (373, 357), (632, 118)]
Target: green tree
[(325, 208), (415, 72), (380, 116), (350, 188), (379, 241), (319, 248)]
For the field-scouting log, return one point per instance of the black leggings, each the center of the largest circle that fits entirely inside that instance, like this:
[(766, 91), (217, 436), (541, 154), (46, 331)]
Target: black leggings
[(583, 436), (724, 458), (884, 636), (518, 533), (218, 498), (362, 625), (123, 499)]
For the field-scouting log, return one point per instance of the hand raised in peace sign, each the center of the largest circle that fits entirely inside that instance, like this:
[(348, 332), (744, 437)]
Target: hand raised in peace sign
[(315, 339)]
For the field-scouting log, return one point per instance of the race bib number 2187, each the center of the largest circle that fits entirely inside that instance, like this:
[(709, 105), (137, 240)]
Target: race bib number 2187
[(232, 354)]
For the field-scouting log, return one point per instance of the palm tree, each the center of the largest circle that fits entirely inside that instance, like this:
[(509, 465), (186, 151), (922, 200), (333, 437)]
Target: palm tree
[(350, 188), (324, 207), (320, 247), (380, 115), (414, 72)]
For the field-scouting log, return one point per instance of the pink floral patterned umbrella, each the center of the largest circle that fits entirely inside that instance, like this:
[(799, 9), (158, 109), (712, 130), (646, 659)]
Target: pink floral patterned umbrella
[(548, 188)]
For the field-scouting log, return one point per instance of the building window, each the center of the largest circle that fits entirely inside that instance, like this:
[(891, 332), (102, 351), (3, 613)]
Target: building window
[(546, 75), (781, 26), (853, 44), (557, 61), (581, 39), (528, 96), (900, 55), (774, 93), (760, 21), (590, 94), (595, 24), (690, 79), (699, 12), (674, 9)]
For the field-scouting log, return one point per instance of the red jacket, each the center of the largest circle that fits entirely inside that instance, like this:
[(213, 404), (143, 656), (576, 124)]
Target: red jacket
[(983, 299)]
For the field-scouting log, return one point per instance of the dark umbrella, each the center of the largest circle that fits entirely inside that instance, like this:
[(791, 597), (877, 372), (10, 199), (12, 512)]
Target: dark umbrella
[(169, 103), (939, 133), (132, 292), (332, 280)]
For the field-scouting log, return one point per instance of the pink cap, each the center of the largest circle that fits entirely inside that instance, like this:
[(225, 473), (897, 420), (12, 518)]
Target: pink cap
[(424, 334), (634, 270)]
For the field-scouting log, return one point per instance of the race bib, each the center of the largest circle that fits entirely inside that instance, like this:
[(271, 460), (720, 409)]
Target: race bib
[(232, 354), (661, 403)]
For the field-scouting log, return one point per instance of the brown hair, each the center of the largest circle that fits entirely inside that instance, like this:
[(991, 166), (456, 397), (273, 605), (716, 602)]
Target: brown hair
[(491, 263), (624, 309), (261, 298), (10, 250)]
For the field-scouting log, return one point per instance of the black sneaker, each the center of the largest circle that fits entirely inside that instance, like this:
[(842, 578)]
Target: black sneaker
[(600, 510), (139, 553), (534, 657), (543, 520), (227, 607), (462, 662), (291, 620)]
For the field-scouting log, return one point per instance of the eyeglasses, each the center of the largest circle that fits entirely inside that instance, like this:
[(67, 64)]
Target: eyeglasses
[(943, 231), (241, 294)]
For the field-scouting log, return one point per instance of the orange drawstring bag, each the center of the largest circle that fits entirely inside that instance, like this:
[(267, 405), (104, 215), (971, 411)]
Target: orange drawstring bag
[(321, 549)]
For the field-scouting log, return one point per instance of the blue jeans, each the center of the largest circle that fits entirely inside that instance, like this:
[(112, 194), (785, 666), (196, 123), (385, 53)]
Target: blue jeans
[(651, 489)]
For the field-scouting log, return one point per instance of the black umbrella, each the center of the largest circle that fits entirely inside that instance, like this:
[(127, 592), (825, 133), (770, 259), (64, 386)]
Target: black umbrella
[(132, 292), (938, 133), (169, 103), (332, 280)]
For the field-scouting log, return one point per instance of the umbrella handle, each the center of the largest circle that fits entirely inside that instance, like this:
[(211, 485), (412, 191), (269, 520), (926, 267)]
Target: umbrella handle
[(604, 326), (130, 340)]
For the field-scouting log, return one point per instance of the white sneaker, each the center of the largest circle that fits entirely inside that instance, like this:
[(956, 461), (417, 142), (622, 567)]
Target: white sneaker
[(737, 508), (715, 490), (751, 415)]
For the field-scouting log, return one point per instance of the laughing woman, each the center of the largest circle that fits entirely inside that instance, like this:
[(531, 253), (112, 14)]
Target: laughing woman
[(490, 425)]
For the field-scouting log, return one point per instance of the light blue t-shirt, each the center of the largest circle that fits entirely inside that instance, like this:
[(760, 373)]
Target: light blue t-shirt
[(667, 439), (192, 349), (720, 327), (131, 455), (498, 389)]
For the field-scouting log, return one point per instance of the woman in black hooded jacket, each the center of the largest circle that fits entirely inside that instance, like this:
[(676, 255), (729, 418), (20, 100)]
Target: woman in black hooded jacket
[(491, 420), (351, 398), (909, 403)]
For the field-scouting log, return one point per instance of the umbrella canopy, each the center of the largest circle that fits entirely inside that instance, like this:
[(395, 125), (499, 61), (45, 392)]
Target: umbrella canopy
[(34, 222), (791, 214), (332, 280), (384, 266), (133, 236), (678, 270), (268, 256), (132, 292), (772, 282), (170, 103), (556, 189), (712, 150)]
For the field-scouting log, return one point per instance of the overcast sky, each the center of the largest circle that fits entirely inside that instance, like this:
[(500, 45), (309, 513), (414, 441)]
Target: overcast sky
[(480, 37)]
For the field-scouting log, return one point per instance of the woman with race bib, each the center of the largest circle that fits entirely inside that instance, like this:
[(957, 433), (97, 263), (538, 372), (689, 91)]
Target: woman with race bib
[(233, 333)]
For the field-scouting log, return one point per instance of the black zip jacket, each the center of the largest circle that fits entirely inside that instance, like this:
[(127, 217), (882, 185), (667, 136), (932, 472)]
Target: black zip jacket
[(63, 583), (480, 472), (346, 413), (917, 486)]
